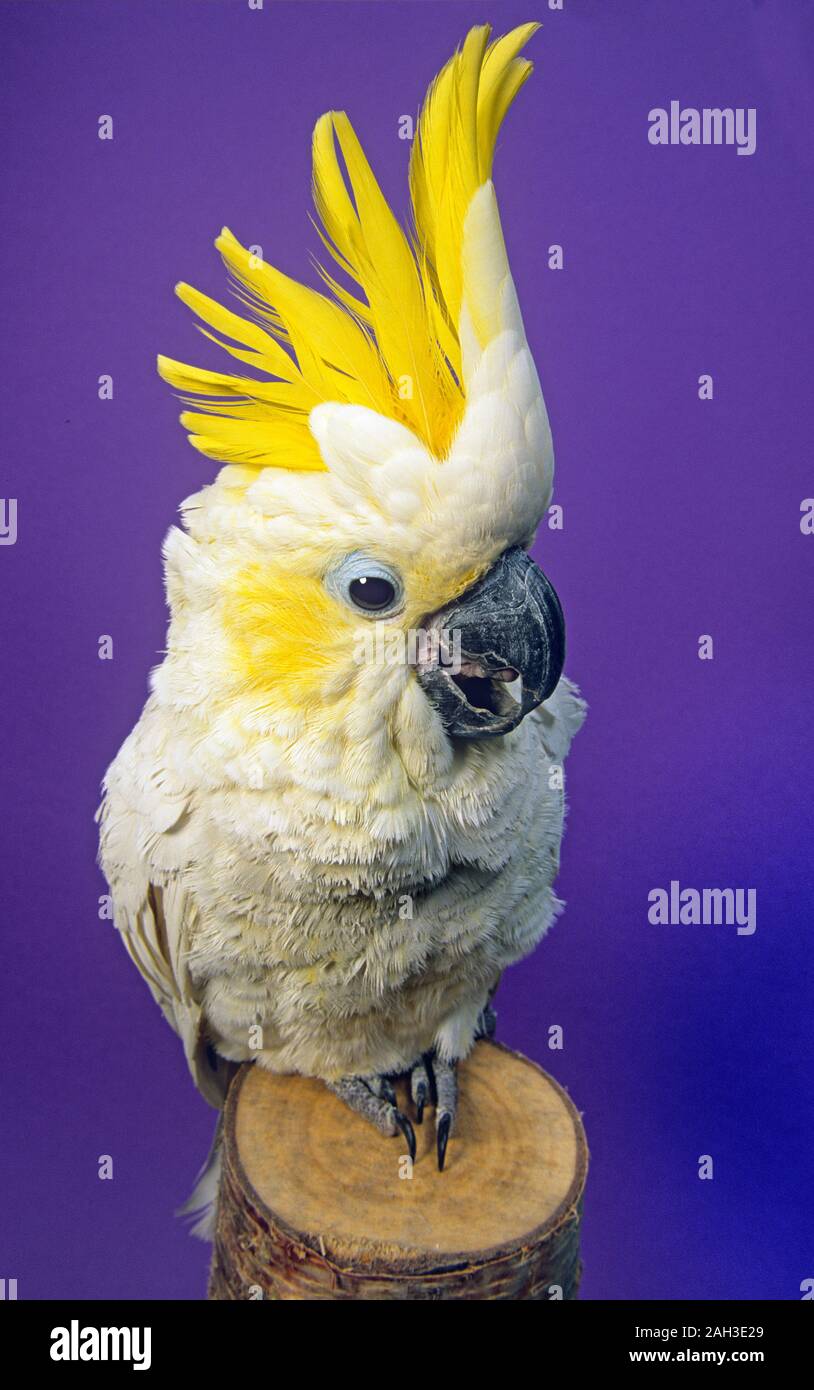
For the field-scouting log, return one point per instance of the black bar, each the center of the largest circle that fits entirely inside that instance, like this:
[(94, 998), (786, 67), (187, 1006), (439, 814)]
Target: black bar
[(605, 1336)]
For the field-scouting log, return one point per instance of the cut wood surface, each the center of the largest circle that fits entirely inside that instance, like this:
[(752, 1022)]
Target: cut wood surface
[(316, 1204)]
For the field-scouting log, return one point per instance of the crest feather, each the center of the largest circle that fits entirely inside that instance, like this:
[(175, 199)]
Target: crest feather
[(392, 342)]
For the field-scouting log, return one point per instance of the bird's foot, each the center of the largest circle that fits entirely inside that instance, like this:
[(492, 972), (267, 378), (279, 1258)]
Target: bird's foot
[(375, 1098), (431, 1081), (436, 1081)]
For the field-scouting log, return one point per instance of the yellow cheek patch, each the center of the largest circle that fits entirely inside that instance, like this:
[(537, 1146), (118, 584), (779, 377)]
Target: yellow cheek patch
[(284, 633), (291, 640)]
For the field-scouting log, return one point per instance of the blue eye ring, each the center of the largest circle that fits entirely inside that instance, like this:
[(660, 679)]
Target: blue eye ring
[(370, 587)]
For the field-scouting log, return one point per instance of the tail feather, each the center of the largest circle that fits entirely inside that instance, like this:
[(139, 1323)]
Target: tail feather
[(201, 1206)]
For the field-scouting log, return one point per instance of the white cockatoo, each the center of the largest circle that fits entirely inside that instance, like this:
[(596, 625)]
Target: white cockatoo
[(338, 818)]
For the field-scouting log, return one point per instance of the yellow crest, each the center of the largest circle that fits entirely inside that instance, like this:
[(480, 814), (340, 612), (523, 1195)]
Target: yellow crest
[(391, 342)]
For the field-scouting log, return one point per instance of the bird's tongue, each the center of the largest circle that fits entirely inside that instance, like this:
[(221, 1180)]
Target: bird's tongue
[(476, 668)]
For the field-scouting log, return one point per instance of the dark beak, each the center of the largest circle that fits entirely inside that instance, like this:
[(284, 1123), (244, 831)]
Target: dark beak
[(507, 625)]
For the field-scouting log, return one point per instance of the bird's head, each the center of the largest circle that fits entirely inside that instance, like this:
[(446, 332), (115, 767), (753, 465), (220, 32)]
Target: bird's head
[(385, 475)]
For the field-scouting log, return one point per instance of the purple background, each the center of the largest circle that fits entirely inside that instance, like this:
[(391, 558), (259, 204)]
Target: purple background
[(681, 518)]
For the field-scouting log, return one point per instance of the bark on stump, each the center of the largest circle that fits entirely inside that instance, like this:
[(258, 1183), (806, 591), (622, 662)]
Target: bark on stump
[(312, 1204)]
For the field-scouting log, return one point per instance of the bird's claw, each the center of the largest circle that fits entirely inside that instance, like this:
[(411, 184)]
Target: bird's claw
[(442, 1128), (445, 1079), (431, 1081), (420, 1087), (408, 1132)]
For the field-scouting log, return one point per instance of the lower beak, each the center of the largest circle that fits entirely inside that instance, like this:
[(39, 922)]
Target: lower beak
[(507, 630)]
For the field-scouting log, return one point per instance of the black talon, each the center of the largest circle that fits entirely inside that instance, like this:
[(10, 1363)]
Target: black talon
[(431, 1077), (442, 1136), (408, 1132), (420, 1101)]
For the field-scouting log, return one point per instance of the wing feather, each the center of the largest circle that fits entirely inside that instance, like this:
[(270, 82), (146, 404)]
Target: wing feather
[(146, 835)]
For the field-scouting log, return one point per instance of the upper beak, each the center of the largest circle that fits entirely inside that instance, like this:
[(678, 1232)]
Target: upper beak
[(507, 626)]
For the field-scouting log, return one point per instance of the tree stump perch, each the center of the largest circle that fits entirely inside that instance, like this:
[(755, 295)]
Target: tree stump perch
[(315, 1204)]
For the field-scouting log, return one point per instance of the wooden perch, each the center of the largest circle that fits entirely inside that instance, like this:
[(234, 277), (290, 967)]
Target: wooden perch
[(315, 1204)]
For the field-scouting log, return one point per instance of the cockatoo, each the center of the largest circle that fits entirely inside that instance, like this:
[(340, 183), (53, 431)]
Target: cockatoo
[(338, 819)]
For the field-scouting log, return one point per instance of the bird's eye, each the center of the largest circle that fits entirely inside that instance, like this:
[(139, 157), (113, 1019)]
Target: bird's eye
[(372, 592), (367, 585)]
